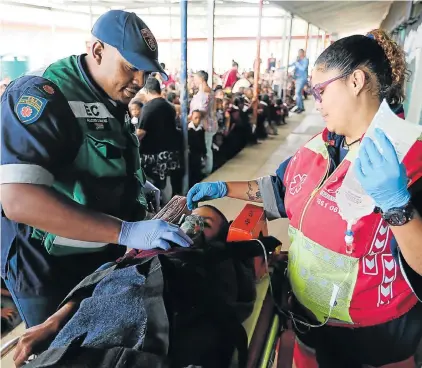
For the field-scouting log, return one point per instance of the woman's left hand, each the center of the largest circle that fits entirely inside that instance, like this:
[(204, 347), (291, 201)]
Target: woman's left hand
[(381, 174)]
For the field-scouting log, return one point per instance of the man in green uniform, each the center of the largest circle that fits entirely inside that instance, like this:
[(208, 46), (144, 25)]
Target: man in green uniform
[(71, 180)]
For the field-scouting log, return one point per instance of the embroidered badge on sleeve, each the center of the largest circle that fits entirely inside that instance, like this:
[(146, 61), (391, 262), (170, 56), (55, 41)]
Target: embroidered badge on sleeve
[(29, 108)]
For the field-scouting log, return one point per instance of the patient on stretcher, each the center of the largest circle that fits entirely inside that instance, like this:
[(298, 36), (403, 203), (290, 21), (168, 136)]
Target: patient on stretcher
[(156, 309)]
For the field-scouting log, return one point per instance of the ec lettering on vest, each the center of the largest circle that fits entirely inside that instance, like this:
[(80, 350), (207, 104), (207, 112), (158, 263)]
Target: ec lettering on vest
[(91, 110), (96, 114)]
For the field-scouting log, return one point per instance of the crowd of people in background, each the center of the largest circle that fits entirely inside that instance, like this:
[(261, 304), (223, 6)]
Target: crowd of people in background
[(221, 120), (221, 123)]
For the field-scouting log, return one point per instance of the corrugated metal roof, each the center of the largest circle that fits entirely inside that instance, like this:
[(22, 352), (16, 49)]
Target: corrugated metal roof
[(342, 17)]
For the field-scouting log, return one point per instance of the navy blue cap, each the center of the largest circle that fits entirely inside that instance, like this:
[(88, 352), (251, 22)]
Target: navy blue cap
[(131, 36)]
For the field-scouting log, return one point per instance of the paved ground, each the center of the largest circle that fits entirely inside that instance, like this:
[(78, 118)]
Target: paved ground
[(264, 159)]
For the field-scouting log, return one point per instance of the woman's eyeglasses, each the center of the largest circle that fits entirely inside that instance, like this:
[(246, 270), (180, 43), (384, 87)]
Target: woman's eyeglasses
[(318, 88)]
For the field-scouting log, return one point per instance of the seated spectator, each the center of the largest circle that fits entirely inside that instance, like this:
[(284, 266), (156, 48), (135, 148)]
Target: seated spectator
[(272, 115), (218, 149), (223, 120), (219, 113), (268, 107), (233, 141), (218, 92), (281, 112), (242, 129), (263, 117), (246, 122), (290, 102), (248, 97), (243, 83), (227, 107), (175, 308), (197, 149)]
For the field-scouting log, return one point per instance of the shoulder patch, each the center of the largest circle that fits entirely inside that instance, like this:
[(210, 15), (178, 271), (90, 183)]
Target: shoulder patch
[(29, 108)]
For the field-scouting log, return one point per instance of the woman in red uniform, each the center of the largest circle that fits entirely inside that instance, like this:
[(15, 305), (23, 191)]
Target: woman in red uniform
[(361, 302)]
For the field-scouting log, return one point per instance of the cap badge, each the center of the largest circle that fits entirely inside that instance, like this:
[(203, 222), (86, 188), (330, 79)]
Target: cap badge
[(149, 39)]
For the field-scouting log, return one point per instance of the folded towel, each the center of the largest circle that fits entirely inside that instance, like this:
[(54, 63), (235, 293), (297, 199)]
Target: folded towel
[(113, 316)]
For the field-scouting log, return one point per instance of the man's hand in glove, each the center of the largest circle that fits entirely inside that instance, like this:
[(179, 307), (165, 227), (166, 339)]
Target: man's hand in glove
[(151, 234)]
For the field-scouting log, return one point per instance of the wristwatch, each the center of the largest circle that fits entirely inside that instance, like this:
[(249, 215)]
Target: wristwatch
[(399, 216)]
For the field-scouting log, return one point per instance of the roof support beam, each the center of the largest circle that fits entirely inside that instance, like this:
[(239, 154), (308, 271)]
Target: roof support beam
[(130, 6)]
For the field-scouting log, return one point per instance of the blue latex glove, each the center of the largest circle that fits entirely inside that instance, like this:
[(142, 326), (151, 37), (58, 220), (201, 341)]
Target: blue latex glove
[(205, 192), (381, 174), (151, 234)]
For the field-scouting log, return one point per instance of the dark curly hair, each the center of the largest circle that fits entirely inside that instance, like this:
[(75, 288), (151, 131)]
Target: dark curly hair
[(377, 55), (223, 231)]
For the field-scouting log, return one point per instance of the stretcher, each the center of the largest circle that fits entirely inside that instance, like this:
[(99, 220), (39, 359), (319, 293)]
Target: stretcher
[(268, 336), (271, 341), (263, 326)]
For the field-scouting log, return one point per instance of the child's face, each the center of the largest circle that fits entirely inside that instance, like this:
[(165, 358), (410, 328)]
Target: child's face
[(219, 94), (135, 110), (196, 118)]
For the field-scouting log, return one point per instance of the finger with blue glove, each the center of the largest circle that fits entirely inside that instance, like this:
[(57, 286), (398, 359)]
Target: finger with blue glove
[(151, 234), (205, 192), (381, 174)]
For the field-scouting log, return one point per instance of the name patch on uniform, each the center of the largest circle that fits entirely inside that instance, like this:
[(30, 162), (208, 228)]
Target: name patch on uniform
[(98, 124), (95, 114), (29, 108)]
